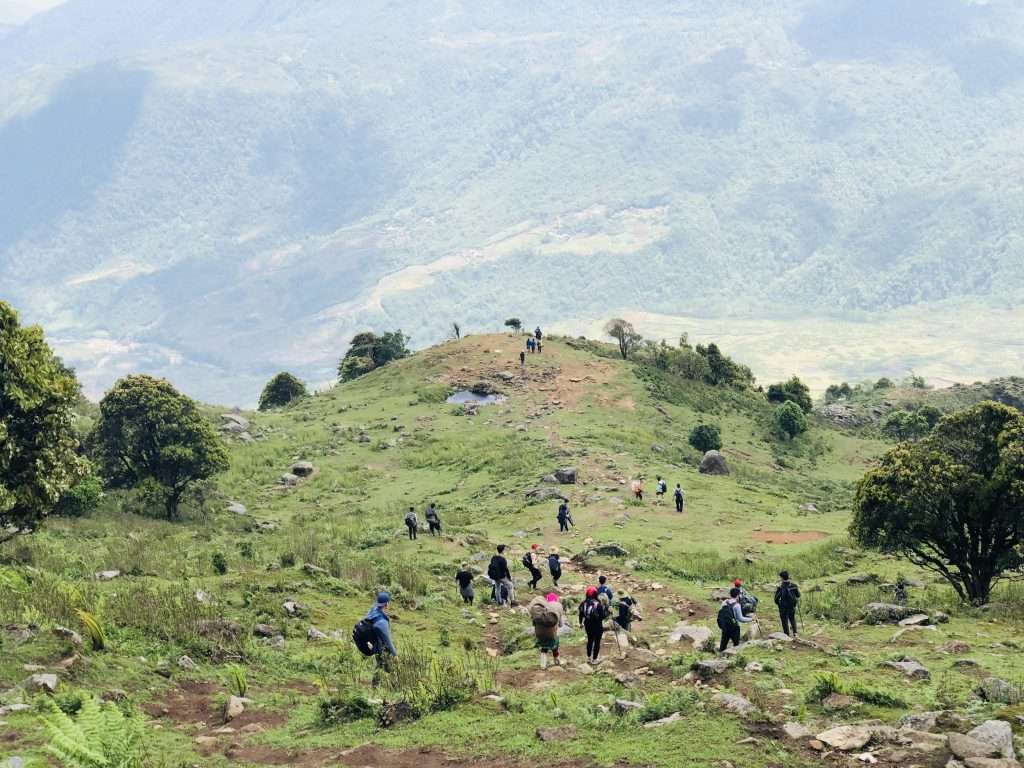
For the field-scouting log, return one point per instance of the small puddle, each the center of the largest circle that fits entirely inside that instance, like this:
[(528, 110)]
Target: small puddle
[(465, 397)]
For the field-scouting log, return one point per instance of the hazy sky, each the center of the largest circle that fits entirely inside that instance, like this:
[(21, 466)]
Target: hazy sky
[(18, 11)]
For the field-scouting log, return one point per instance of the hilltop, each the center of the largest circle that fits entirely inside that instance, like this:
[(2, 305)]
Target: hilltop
[(270, 569)]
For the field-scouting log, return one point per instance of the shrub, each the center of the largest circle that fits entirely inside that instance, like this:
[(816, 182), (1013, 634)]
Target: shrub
[(659, 706), (792, 391), (430, 681), (219, 563), (280, 391), (790, 420), (346, 708), (81, 499), (93, 630), (705, 437), (100, 736), (237, 682)]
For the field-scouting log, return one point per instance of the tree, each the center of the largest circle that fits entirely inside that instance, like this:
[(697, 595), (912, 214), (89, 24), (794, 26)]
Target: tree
[(794, 391), (149, 433), (368, 351), (705, 437), (905, 425), (39, 458), (838, 392), (953, 502), (515, 324), (623, 332), (884, 383), (281, 390), (81, 499), (721, 369), (790, 419)]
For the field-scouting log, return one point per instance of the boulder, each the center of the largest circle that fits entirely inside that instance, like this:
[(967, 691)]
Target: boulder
[(910, 668), (707, 668), (41, 683), (674, 717), (912, 630), (846, 738), (796, 731), (264, 630), (886, 613), (237, 508), (963, 746), (222, 628), (780, 637), (714, 463), (234, 422), (922, 741), (107, 575), (288, 479), (293, 608), (315, 570), (734, 703), (13, 709), (235, 707), (537, 495), (837, 702), (997, 734), (302, 468), (940, 618), (622, 706), (608, 550), (315, 635), (939, 720), (566, 475), (862, 578), (186, 663), (557, 733), (696, 634), (990, 762), (67, 634), (997, 691), (917, 620)]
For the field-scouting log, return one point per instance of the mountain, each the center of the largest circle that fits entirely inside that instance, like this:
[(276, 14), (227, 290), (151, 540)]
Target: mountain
[(216, 191)]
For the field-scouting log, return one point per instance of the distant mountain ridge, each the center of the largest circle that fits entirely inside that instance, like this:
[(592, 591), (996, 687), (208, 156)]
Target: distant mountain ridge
[(217, 191)]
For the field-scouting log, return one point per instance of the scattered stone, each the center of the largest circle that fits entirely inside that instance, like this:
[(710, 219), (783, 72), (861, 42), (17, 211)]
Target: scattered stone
[(962, 663), (315, 635), (626, 678), (955, 646), (315, 570), (910, 668), (714, 463), (940, 618), (780, 637), (886, 613), (990, 762), (922, 741), (277, 641), (264, 630), (940, 720), (707, 668), (235, 707), (610, 550), (204, 597), (41, 683), (867, 757), (846, 738), (734, 703), (963, 746), (288, 479), (107, 575), (13, 709), (557, 733), (622, 706), (918, 619), (996, 733), (997, 691), (837, 702), (115, 695), (186, 663), (302, 468), (566, 476), (68, 634), (696, 634), (796, 731), (674, 717), (234, 422), (902, 631), (537, 495), (220, 628), (862, 578), (237, 508), (294, 609)]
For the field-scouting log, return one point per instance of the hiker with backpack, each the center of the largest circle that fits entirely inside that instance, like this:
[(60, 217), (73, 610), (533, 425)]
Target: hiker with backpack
[(637, 486), (554, 566), (680, 498), (730, 617), (787, 597), (660, 489), (604, 589), (564, 518), (372, 634), (433, 520), (501, 577), (547, 616), (748, 602), (531, 560), (592, 614), (627, 614), (464, 578), (522, 357), (412, 523), (540, 347), (538, 334)]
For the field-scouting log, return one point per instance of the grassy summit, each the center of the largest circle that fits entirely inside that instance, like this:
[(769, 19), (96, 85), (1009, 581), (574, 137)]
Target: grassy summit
[(203, 587)]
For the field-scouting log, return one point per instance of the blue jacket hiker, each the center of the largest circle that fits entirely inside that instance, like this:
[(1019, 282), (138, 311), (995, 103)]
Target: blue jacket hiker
[(382, 625)]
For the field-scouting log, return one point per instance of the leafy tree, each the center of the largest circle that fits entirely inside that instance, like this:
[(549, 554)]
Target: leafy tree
[(624, 333), (930, 414), (721, 369), (884, 383), (515, 324), (918, 382), (952, 502), (368, 351), (790, 419), (905, 425), (81, 499), (705, 437), (794, 391), (39, 460), (149, 433), (838, 392), (281, 390)]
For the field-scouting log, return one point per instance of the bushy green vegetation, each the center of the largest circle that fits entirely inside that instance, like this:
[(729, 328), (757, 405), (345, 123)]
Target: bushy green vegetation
[(368, 351), (281, 390)]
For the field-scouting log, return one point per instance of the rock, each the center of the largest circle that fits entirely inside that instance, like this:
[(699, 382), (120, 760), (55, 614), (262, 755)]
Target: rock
[(862, 578), (224, 628), (965, 746), (107, 575), (204, 597), (734, 703), (557, 733), (955, 646), (714, 463), (13, 709), (315, 570), (846, 738), (537, 495), (940, 618), (837, 702), (41, 683), (115, 695), (796, 731), (288, 479), (293, 608), (780, 637), (962, 663), (566, 476), (990, 762), (886, 613), (622, 706), (186, 663), (867, 757), (235, 707), (277, 641), (608, 550), (917, 620), (549, 479), (719, 594), (237, 508), (808, 507), (940, 720), (235, 422), (696, 634), (922, 741), (910, 668), (302, 468), (997, 691), (917, 628), (67, 634), (674, 717), (315, 635), (996, 733), (707, 668), (626, 678), (264, 630)]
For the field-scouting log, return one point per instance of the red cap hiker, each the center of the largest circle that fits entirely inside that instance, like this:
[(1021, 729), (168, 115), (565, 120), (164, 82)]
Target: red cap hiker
[(738, 583), (591, 591)]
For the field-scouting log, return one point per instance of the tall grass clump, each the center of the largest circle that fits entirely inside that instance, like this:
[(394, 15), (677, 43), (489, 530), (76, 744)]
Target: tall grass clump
[(430, 681)]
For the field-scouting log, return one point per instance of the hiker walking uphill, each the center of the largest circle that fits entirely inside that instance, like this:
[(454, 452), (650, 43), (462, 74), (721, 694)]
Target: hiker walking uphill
[(464, 578), (531, 560), (660, 489), (637, 487), (730, 617), (412, 523), (604, 589), (372, 635), (537, 334), (592, 614), (564, 518), (547, 616), (680, 498), (522, 357), (433, 520), (554, 566), (627, 614), (748, 602), (787, 596), (501, 577)]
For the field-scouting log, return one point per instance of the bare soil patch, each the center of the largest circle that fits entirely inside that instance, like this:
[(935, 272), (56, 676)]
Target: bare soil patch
[(788, 537), (376, 757)]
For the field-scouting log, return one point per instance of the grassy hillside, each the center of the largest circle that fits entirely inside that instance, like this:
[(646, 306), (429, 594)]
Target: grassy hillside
[(387, 441)]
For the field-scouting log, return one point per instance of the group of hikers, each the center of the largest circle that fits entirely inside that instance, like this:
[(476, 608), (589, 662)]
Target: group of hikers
[(534, 344), (412, 521), (660, 490), (741, 607)]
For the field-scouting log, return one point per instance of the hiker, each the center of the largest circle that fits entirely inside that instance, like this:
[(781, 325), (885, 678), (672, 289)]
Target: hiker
[(604, 589), (748, 602), (592, 614), (531, 559), (381, 623), (899, 595), (530, 344), (554, 566), (522, 357), (680, 498), (433, 520), (501, 577), (547, 616), (627, 614), (660, 489), (538, 334), (564, 518), (637, 486), (464, 578), (787, 596), (540, 346), (412, 523), (730, 616)]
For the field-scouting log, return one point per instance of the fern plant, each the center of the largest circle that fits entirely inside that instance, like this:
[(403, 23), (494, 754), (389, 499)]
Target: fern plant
[(93, 630), (237, 682), (100, 736)]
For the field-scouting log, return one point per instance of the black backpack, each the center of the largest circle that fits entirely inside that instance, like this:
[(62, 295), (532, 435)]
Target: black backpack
[(787, 596), (364, 635), (527, 562), (726, 618), (494, 570)]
